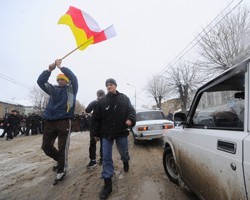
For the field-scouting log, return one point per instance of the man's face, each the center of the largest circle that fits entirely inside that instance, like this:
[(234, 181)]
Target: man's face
[(61, 82), (111, 88)]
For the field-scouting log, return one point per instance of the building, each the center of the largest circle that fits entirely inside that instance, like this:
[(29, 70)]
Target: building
[(7, 107), (171, 105)]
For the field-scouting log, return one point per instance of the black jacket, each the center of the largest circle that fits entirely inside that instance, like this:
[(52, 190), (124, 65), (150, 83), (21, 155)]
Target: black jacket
[(91, 108), (109, 118)]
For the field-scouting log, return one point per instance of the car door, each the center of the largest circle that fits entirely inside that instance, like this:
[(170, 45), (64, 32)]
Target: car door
[(247, 163), (246, 155), (209, 149), (214, 173)]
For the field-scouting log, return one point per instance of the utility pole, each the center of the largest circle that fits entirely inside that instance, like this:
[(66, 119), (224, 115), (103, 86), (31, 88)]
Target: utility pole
[(135, 93)]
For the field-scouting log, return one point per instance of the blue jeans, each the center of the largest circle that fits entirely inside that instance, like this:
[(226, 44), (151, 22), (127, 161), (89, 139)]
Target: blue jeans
[(107, 162)]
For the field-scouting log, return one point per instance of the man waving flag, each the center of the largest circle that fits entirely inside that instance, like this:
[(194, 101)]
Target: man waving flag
[(85, 29)]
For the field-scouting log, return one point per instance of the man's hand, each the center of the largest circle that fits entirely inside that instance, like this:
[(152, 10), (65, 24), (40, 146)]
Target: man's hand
[(52, 67), (97, 139), (58, 63), (128, 123)]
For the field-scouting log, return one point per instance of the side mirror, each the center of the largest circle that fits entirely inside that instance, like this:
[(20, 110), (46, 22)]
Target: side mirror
[(239, 95), (180, 117)]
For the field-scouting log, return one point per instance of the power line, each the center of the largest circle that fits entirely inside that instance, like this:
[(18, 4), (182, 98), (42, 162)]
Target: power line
[(187, 48), (184, 51), (15, 81)]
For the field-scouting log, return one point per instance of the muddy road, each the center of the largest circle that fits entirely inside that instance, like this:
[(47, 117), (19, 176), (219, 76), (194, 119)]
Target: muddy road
[(26, 172)]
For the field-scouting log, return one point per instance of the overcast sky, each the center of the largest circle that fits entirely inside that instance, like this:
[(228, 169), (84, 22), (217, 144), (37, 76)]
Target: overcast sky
[(150, 33)]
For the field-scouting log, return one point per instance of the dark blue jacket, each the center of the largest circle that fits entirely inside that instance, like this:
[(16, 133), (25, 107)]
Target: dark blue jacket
[(62, 100)]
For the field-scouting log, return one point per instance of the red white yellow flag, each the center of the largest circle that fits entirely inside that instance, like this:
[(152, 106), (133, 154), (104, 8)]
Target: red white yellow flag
[(85, 29)]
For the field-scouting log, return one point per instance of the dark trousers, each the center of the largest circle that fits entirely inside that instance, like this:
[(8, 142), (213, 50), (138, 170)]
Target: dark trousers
[(5, 130), (20, 130), (57, 129), (27, 131), (12, 132), (92, 147)]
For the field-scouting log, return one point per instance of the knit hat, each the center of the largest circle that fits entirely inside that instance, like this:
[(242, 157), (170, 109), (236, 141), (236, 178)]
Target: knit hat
[(62, 76), (111, 80), (100, 93)]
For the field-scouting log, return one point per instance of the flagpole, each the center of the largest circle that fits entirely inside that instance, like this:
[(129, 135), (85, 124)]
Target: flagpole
[(77, 48)]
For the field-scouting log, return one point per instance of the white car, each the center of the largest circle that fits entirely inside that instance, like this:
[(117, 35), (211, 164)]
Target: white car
[(150, 124), (210, 154)]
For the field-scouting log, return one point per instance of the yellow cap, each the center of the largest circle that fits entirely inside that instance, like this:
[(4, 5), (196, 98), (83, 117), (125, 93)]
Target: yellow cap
[(62, 76)]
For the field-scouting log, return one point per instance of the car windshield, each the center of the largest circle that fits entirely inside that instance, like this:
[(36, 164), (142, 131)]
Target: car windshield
[(152, 115)]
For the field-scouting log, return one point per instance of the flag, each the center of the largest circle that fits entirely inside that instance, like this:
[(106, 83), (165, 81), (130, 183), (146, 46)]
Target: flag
[(85, 29)]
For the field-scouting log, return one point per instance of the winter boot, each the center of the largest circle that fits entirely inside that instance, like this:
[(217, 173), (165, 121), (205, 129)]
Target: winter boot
[(107, 188), (92, 164), (59, 177), (126, 166)]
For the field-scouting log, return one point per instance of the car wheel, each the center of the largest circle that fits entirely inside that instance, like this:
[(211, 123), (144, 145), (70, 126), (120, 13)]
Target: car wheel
[(135, 140), (170, 166)]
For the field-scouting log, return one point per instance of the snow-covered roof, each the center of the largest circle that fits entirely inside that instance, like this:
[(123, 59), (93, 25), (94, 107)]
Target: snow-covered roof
[(22, 102)]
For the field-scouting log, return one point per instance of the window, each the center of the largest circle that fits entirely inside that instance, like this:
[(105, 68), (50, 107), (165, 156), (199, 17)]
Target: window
[(222, 106), (151, 115), (6, 110)]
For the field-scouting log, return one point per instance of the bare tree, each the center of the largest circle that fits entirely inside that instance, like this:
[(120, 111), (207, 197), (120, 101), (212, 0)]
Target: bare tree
[(183, 79), (157, 88), (228, 42), (39, 98)]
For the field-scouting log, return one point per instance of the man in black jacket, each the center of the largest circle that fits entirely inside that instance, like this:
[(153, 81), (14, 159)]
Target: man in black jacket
[(92, 146), (113, 117), (13, 121)]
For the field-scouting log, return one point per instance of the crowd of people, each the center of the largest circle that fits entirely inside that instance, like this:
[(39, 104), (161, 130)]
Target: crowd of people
[(14, 124)]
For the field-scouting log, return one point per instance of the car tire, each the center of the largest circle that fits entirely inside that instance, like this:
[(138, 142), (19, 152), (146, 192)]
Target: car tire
[(136, 142), (170, 166)]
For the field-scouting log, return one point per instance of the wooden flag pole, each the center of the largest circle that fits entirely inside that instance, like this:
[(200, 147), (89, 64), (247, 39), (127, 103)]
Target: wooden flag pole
[(85, 43), (70, 52)]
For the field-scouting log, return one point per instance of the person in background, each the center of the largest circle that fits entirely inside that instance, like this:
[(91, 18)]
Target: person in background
[(21, 127), (82, 122), (35, 124), (28, 124), (113, 118), (5, 125), (92, 147), (58, 114), (13, 122), (170, 116)]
